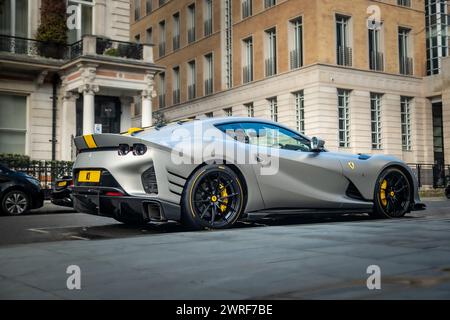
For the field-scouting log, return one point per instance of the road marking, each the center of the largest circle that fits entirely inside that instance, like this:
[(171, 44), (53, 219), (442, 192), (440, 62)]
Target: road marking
[(79, 238), (38, 231)]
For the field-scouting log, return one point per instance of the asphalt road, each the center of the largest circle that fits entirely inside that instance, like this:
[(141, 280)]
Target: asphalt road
[(307, 257)]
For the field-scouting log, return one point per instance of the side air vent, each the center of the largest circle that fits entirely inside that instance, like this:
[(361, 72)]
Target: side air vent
[(353, 192), (149, 181)]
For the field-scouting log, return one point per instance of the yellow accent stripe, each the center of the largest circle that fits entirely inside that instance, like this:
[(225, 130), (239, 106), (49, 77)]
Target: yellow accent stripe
[(89, 139)]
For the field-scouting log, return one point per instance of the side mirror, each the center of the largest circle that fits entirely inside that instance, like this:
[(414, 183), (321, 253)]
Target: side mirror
[(317, 144)]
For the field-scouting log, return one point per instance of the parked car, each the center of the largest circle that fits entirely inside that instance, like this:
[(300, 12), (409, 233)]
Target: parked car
[(62, 192), (19, 192), (153, 175), (447, 187)]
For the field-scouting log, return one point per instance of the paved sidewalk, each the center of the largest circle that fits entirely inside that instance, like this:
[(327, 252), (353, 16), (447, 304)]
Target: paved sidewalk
[(324, 261)]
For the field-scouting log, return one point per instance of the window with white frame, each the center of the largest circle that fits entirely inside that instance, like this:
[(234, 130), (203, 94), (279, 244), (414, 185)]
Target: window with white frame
[(296, 35), (14, 18), (344, 53), (376, 57), (247, 68), (176, 31), (405, 111), (192, 76), (209, 115), (344, 117), (208, 16), (273, 104), (86, 7), (162, 38), (247, 8), (250, 109), (208, 74), (375, 116), (13, 123), (137, 9), (405, 59), (228, 112), (271, 52), (269, 3), (404, 3), (176, 86), (148, 6), (437, 13), (162, 90), (191, 23), (300, 111)]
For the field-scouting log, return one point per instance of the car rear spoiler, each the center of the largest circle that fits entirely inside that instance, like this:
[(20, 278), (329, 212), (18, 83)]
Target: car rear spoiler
[(104, 141)]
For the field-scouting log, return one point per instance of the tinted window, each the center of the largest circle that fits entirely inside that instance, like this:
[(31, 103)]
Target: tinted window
[(267, 135)]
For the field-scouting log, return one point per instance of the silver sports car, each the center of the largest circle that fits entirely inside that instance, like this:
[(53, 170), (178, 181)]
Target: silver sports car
[(210, 173)]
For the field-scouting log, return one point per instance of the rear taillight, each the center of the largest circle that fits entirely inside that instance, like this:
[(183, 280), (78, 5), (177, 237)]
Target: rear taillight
[(139, 149), (124, 149), (114, 194)]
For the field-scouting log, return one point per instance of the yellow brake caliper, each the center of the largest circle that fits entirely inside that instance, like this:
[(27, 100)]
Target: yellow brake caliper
[(383, 188), (223, 194)]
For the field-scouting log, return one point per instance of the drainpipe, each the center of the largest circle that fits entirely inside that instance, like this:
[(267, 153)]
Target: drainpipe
[(54, 108)]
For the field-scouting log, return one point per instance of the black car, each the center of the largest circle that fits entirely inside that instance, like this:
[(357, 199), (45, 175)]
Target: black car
[(62, 192), (19, 192)]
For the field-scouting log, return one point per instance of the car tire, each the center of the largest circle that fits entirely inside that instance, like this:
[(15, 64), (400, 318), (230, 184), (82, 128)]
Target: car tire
[(392, 196), (213, 198), (15, 202)]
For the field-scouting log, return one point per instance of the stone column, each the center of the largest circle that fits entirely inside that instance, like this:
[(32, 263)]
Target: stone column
[(125, 116), (68, 124), (147, 96), (88, 92), (147, 109)]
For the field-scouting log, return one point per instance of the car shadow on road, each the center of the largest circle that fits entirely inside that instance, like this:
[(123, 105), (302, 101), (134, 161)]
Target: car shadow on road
[(117, 230)]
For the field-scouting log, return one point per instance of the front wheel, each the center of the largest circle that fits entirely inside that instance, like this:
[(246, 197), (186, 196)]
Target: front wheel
[(213, 198), (15, 203), (392, 197)]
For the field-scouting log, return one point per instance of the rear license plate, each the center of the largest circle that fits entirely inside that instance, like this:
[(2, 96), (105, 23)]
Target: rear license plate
[(89, 176)]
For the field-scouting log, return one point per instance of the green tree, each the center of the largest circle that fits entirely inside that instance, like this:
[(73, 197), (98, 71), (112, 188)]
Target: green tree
[(53, 27)]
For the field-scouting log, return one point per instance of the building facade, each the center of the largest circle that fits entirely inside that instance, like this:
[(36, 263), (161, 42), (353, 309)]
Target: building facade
[(95, 83), (367, 76)]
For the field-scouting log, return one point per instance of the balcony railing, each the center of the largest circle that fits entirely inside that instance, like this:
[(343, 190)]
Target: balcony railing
[(376, 61), (176, 96), (162, 49), (246, 9), (191, 35), (176, 42), (271, 67), (406, 66), (88, 46), (208, 27), (296, 59), (344, 56), (162, 100), (247, 73), (191, 92), (208, 86)]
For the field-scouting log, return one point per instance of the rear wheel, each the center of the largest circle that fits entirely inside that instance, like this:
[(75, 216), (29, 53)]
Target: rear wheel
[(392, 194), (15, 203), (213, 198)]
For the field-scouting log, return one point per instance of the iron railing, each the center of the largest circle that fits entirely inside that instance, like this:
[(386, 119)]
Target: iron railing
[(120, 49), (376, 61), (246, 8), (176, 96), (176, 42), (191, 92), (208, 86), (344, 56), (191, 35), (406, 66), (36, 48), (208, 28), (247, 73), (431, 175), (296, 59), (47, 172), (271, 67)]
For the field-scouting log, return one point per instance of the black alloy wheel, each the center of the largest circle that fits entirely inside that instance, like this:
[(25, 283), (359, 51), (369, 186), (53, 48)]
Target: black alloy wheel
[(392, 194), (213, 198)]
